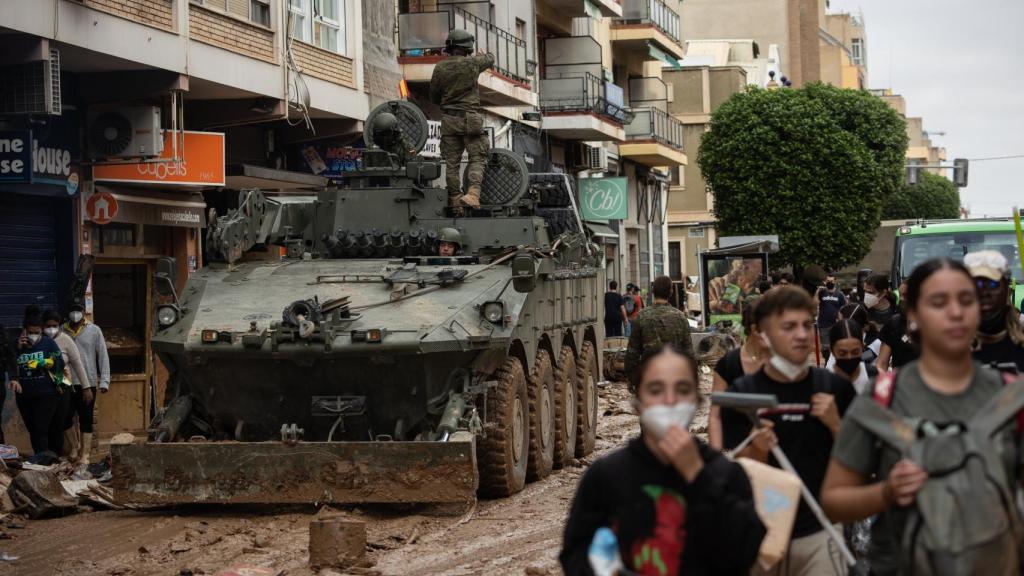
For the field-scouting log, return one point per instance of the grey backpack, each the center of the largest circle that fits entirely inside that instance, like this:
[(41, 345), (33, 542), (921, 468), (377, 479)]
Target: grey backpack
[(965, 520)]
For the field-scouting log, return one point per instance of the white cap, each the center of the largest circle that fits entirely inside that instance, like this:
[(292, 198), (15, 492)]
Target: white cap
[(989, 264)]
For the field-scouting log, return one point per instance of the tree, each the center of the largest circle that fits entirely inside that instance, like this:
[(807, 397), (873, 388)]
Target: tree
[(813, 165), (933, 197)]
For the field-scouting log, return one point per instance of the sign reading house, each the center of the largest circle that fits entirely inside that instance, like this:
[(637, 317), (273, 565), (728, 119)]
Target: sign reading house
[(16, 156), (604, 198)]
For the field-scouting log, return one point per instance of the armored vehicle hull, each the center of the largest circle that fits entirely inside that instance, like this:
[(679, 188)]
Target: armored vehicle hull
[(364, 366)]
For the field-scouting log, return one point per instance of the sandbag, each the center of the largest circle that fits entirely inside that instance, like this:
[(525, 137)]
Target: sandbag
[(777, 497), (39, 494)]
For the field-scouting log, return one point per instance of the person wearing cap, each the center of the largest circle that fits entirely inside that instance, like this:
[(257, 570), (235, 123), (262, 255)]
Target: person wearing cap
[(1000, 335), (93, 348)]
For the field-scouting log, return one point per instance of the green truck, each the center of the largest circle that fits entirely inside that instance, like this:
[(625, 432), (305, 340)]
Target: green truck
[(925, 239)]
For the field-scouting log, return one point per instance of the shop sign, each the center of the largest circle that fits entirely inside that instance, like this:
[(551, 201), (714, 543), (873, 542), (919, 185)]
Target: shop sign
[(16, 156), (101, 208), (202, 163), (55, 153), (330, 161), (604, 198)]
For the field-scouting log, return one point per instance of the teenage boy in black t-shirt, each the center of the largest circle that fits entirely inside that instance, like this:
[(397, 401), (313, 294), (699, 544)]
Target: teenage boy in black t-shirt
[(805, 429)]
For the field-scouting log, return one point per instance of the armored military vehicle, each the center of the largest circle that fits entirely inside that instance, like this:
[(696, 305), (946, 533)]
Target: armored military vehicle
[(352, 362)]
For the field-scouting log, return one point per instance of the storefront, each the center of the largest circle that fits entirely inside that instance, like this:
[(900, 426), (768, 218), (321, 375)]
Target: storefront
[(132, 215)]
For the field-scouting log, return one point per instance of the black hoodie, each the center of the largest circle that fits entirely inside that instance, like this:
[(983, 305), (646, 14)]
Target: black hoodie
[(665, 525)]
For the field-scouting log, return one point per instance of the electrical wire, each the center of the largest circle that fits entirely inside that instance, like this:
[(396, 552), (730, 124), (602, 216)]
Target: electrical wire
[(997, 158)]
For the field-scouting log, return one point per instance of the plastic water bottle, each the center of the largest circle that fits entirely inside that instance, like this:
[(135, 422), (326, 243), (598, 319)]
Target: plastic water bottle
[(604, 553)]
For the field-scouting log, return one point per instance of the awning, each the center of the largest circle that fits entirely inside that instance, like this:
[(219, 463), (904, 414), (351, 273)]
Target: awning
[(591, 9), (185, 209), (602, 231), (659, 54)]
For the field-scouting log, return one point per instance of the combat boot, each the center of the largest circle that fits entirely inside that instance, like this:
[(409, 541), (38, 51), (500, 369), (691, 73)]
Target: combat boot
[(471, 198)]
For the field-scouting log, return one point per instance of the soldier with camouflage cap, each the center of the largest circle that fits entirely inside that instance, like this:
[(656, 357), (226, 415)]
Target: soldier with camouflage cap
[(387, 135), (453, 86)]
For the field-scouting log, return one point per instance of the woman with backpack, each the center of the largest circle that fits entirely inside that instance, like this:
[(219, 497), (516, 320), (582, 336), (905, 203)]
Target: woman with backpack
[(944, 412)]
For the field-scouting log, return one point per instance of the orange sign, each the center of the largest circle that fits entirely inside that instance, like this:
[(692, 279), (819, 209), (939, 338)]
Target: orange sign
[(101, 208), (202, 163)]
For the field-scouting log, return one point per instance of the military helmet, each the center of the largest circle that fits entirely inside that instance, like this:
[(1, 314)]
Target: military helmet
[(450, 235), (459, 38), (385, 128)]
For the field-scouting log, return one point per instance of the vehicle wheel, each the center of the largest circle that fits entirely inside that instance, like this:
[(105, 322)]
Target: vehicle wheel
[(586, 401), (565, 408), (502, 453), (542, 419)]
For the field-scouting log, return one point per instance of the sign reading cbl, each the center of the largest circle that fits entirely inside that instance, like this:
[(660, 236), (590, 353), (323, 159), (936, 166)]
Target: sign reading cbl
[(16, 156)]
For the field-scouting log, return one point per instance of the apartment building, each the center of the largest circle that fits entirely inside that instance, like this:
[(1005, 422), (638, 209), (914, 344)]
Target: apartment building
[(844, 58), (920, 148), (134, 117)]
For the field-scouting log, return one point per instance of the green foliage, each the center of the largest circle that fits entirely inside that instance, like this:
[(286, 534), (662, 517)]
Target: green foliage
[(813, 165), (933, 197)]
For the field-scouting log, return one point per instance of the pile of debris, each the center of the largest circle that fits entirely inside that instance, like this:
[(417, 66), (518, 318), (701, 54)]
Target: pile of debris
[(44, 486)]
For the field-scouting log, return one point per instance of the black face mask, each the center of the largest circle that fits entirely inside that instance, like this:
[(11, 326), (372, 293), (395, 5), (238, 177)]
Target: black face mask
[(848, 365), (830, 285), (995, 323)]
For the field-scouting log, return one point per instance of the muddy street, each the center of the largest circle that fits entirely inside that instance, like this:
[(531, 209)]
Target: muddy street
[(517, 535)]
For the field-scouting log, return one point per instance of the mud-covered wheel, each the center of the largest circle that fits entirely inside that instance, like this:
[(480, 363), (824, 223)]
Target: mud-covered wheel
[(586, 400), (502, 454), (565, 408), (542, 418)]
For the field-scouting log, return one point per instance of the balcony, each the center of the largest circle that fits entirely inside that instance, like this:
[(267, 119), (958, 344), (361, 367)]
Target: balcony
[(646, 23), (654, 138), (608, 8), (421, 37), (581, 106)]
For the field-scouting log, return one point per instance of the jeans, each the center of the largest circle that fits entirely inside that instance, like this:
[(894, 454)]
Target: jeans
[(38, 413)]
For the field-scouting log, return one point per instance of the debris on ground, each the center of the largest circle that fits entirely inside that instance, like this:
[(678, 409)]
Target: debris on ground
[(39, 494)]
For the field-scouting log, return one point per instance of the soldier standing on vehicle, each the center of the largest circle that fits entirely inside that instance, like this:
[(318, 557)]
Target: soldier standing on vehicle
[(658, 325), (453, 86)]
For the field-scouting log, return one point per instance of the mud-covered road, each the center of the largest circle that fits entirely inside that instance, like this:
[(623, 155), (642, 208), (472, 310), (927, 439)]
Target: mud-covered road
[(517, 535)]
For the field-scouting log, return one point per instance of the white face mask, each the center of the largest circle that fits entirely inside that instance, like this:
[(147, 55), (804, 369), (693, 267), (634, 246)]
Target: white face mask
[(52, 332), (658, 419), (75, 316), (871, 300), (788, 369), (34, 338)]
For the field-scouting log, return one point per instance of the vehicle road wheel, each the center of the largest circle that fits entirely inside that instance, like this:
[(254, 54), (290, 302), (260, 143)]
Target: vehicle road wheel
[(502, 454), (542, 418), (565, 408), (586, 401)]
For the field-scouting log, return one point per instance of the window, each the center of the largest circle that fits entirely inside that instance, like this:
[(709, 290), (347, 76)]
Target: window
[(857, 51), (675, 259), (259, 12), (319, 22), (520, 29)]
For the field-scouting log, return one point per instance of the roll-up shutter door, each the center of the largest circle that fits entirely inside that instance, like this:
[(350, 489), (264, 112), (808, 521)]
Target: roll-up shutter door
[(28, 255)]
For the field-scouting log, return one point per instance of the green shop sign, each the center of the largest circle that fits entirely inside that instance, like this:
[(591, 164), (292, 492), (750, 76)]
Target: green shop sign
[(604, 198)]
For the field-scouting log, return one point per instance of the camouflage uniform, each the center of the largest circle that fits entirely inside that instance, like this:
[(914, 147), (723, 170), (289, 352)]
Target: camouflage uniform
[(655, 326), (454, 87)]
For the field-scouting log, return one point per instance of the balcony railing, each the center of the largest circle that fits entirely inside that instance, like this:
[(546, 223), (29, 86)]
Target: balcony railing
[(651, 12), (654, 124), (585, 93), (424, 33)]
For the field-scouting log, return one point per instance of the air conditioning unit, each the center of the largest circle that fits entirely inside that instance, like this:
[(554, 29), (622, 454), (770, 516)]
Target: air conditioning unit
[(132, 132), (32, 88), (597, 158)]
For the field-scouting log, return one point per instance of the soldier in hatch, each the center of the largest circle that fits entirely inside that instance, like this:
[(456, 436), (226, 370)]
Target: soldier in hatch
[(453, 86), (449, 242)]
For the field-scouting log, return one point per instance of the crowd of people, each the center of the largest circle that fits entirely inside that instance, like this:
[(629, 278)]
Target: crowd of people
[(908, 436), (55, 367)]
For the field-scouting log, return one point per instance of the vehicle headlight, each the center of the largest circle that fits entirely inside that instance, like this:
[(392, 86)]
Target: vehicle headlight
[(166, 315), (493, 312)]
